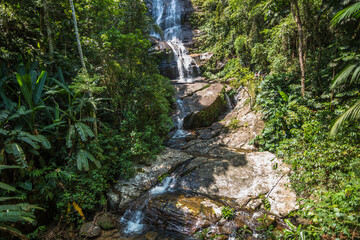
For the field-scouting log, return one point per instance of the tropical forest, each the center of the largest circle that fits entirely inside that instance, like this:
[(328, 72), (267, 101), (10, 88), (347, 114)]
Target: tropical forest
[(179, 119)]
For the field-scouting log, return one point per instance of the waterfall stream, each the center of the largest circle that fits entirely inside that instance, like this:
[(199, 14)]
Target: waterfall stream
[(167, 15)]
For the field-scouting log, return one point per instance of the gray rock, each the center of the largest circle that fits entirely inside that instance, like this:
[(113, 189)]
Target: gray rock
[(241, 177), (127, 190), (205, 106), (90, 230)]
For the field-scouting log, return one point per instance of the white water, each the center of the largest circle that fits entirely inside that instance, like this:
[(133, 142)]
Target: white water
[(133, 219), (167, 15), (133, 225), (179, 121)]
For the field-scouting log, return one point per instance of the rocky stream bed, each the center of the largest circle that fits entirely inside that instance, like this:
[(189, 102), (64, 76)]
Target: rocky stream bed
[(208, 163)]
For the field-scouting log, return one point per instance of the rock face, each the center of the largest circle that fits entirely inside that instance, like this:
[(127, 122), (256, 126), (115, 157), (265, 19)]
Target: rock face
[(205, 106), (125, 191)]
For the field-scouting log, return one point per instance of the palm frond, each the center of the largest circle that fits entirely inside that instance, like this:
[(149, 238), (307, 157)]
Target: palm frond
[(351, 114), (352, 11), (345, 74)]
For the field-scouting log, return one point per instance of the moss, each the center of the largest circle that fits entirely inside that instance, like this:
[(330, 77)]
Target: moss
[(161, 177), (209, 115)]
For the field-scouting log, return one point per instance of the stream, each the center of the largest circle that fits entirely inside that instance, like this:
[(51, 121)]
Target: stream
[(182, 194)]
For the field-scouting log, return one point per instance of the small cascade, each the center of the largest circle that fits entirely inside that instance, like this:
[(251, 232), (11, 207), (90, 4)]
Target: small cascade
[(133, 221), (179, 120), (134, 216), (166, 185)]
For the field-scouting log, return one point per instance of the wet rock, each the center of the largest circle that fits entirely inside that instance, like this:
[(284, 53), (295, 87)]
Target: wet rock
[(179, 213), (109, 235), (205, 107), (151, 235), (106, 222), (90, 230), (127, 190)]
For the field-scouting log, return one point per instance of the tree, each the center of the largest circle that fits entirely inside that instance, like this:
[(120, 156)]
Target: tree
[(77, 35), (48, 29), (301, 50)]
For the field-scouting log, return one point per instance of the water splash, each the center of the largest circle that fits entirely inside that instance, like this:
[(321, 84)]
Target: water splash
[(133, 221), (166, 185)]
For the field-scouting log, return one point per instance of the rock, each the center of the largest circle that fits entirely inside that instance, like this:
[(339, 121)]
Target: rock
[(106, 222), (151, 235), (109, 235), (239, 176), (127, 190), (180, 213), (201, 58), (208, 133), (90, 230), (205, 106)]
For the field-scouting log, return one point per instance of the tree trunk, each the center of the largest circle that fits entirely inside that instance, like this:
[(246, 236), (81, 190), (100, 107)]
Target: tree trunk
[(301, 50), (48, 29), (77, 35)]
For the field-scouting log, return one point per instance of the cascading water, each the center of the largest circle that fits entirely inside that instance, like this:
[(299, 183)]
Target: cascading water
[(133, 218), (167, 15)]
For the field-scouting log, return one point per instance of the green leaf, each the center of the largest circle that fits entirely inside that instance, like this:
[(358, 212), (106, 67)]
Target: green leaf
[(30, 142), (25, 87), (2, 167), (3, 199), (82, 161), (84, 131), (91, 158), (13, 231), (7, 187), (39, 87), (44, 141), (17, 152)]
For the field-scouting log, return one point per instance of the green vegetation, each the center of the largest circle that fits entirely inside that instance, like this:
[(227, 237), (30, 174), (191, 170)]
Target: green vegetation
[(70, 126), (227, 213), (300, 61), (82, 100)]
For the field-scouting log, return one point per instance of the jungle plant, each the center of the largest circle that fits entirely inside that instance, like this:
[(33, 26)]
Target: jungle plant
[(293, 232), (14, 212), (227, 213)]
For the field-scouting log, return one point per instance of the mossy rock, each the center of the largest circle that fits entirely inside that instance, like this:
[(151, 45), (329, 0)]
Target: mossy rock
[(106, 222)]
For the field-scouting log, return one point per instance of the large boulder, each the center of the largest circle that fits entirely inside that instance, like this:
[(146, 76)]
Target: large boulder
[(205, 106), (177, 212), (242, 177)]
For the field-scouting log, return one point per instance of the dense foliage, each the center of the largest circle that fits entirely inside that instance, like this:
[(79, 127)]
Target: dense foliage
[(71, 131), (263, 43)]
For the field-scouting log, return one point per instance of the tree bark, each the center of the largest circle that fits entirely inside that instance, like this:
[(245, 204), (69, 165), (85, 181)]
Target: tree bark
[(48, 29), (301, 50), (77, 36)]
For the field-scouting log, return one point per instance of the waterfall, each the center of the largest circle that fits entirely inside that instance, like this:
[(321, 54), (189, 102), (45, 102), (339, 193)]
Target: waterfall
[(167, 14)]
